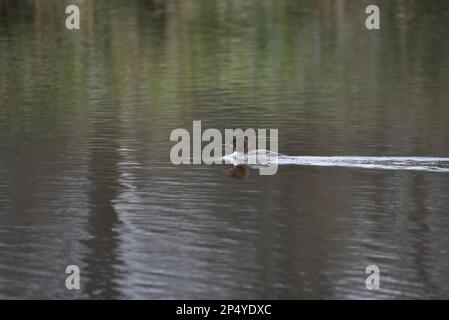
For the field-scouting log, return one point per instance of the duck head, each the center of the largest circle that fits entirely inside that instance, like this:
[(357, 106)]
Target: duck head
[(240, 144)]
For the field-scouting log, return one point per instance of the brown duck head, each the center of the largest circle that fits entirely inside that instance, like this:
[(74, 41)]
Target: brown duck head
[(240, 144)]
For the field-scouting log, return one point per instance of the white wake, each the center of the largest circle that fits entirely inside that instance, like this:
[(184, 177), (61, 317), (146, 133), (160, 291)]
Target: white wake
[(258, 158)]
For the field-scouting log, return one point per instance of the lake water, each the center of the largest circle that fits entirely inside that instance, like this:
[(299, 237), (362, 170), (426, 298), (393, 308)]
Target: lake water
[(86, 177)]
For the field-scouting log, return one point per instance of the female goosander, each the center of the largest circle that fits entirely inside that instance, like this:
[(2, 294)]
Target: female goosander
[(242, 155)]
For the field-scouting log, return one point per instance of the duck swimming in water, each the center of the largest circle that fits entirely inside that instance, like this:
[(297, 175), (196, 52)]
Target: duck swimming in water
[(242, 158), (242, 155)]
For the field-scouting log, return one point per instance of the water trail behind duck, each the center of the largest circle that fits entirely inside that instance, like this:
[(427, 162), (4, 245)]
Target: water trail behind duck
[(430, 164)]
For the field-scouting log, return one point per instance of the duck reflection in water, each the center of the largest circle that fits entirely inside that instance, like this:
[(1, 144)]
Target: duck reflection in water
[(240, 172), (240, 146)]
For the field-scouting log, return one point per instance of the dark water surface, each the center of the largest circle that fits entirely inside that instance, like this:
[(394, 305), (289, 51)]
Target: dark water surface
[(86, 178)]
